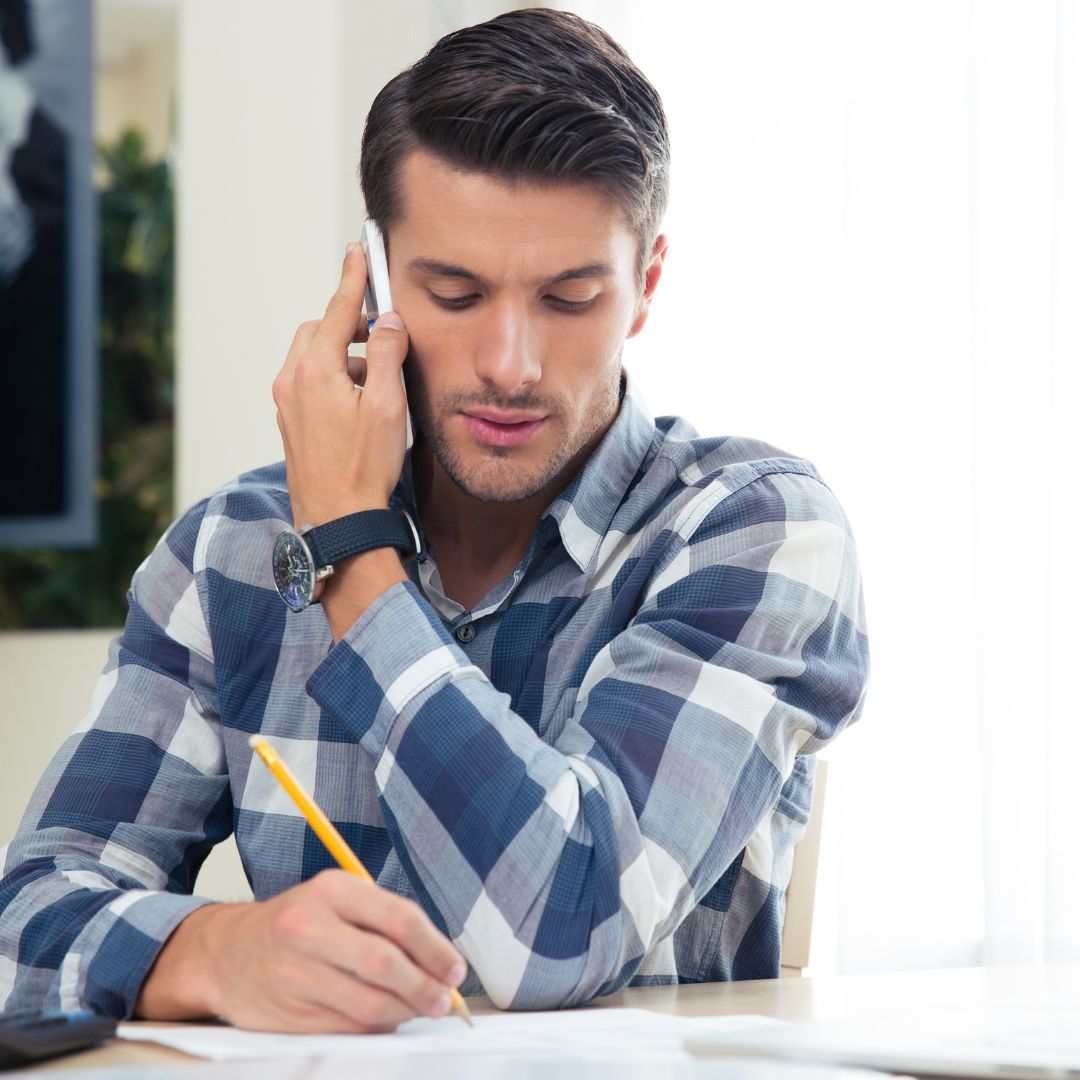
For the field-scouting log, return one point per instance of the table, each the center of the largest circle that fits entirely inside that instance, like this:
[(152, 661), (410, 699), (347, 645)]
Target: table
[(825, 998)]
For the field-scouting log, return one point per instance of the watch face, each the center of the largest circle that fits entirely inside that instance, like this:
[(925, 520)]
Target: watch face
[(294, 570)]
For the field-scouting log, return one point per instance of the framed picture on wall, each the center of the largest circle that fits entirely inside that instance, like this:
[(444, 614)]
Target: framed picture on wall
[(48, 276)]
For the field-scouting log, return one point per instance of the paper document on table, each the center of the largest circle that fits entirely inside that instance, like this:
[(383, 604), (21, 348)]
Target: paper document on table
[(607, 1033), (1003, 1040), (476, 1067), (294, 1069)]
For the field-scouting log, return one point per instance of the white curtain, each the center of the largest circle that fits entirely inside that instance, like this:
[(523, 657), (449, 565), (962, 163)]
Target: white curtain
[(875, 263)]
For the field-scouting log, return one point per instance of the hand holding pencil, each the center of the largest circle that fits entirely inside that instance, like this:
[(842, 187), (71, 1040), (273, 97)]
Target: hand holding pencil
[(335, 844), (333, 954)]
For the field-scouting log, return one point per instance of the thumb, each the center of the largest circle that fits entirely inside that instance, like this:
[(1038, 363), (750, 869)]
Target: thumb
[(387, 344), (387, 347), (389, 320)]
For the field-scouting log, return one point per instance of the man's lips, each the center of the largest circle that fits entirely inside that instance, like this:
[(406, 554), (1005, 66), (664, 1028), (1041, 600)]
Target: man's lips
[(502, 429), (494, 417)]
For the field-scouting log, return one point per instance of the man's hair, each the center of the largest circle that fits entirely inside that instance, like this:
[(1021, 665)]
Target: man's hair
[(536, 95)]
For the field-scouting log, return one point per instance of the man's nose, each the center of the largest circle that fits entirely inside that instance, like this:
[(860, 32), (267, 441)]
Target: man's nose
[(508, 357)]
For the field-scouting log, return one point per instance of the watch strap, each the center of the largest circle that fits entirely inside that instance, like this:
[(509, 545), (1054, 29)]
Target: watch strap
[(362, 531)]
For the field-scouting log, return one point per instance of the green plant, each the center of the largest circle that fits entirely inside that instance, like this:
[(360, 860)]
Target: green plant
[(87, 588)]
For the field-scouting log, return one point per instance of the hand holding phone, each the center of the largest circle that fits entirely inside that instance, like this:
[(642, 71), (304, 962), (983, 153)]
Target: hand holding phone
[(377, 294), (344, 451)]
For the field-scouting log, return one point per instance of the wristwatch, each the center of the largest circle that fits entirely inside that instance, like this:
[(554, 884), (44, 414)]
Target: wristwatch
[(303, 560)]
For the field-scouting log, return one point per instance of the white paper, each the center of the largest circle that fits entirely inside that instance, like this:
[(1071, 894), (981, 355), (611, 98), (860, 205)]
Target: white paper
[(475, 1067), (581, 1033), (994, 1039), (195, 1070), (490, 1067)]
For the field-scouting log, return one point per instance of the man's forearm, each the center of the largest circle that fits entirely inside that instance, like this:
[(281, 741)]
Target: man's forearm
[(356, 584)]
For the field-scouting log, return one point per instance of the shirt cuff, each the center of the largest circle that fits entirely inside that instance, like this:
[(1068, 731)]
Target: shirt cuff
[(397, 649), (118, 947)]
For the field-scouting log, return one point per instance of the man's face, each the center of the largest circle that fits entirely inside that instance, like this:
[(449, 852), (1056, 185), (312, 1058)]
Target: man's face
[(517, 300)]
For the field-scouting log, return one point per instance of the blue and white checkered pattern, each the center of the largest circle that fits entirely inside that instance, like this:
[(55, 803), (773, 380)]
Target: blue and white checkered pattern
[(599, 783)]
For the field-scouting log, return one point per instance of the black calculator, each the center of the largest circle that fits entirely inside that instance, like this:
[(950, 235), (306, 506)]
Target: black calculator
[(30, 1036)]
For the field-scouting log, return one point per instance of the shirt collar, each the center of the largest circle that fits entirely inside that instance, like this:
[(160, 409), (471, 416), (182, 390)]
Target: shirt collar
[(583, 511)]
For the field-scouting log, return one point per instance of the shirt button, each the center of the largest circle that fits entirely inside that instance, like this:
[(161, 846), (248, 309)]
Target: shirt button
[(465, 633)]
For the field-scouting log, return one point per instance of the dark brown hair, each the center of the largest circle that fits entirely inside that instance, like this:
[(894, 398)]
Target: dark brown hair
[(536, 95)]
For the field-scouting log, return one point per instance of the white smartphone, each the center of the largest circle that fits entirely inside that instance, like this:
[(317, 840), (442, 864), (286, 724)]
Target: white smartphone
[(377, 295)]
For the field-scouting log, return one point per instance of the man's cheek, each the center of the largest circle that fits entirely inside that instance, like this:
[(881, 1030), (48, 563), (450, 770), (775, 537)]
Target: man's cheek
[(417, 393)]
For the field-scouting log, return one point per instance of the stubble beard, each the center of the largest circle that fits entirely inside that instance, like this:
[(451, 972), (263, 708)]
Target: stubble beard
[(495, 474)]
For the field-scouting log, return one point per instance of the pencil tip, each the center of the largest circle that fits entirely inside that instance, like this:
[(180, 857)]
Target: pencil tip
[(254, 740)]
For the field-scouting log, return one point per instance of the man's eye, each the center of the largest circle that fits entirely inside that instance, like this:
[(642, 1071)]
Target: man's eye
[(457, 303), (454, 303), (560, 304)]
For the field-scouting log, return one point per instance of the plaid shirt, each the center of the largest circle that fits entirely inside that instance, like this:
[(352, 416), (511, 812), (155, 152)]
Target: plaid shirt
[(593, 779)]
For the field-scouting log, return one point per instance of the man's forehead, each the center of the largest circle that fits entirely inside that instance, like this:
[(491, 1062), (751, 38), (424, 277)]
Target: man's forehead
[(445, 212)]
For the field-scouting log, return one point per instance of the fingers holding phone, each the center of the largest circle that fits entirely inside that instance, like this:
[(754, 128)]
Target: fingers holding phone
[(344, 450), (377, 299)]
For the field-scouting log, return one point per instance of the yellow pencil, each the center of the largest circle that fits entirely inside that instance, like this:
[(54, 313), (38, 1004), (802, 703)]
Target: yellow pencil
[(324, 829)]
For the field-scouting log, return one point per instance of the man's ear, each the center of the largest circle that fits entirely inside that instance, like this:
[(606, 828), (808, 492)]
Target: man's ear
[(652, 279)]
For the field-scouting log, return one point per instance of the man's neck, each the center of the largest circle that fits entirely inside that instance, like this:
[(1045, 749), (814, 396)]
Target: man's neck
[(474, 533)]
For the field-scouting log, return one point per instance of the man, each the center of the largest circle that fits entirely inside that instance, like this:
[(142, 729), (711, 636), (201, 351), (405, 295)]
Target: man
[(574, 734)]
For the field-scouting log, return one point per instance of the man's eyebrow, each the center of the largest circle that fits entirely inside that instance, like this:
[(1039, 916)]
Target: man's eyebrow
[(441, 269)]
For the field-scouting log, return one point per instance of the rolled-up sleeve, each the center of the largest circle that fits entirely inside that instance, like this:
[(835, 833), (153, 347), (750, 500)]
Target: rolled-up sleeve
[(558, 861)]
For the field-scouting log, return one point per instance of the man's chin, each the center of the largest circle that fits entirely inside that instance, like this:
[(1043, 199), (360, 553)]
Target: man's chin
[(502, 485), (502, 474)]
